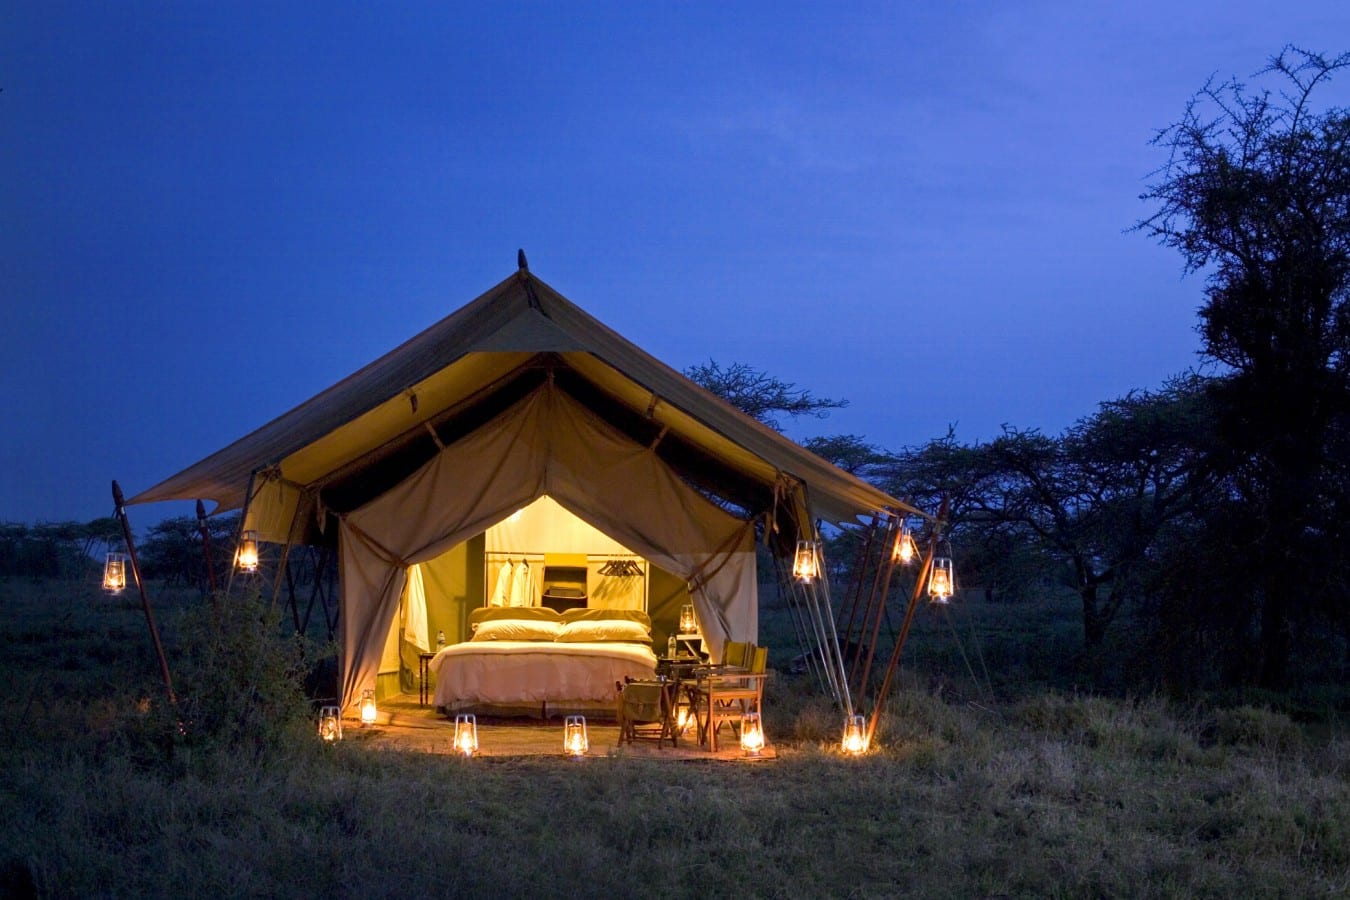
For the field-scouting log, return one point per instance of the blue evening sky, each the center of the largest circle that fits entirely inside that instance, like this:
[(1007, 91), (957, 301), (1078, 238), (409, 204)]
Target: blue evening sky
[(210, 212)]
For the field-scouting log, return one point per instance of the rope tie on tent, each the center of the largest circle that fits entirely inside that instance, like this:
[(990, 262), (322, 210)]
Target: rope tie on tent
[(381, 551), (781, 485), (698, 579)]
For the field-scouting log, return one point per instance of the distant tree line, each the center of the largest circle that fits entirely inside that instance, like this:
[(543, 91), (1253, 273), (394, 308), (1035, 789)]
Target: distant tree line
[(54, 549), (170, 551), (1215, 509)]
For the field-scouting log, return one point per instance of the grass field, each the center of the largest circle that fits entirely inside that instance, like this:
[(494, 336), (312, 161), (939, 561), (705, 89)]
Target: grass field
[(1040, 793)]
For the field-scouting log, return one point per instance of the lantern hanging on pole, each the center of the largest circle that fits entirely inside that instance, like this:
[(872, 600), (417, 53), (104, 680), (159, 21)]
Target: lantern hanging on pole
[(752, 734), (905, 550), (330, 723), (115, 573), (246, 558), (806, 562), (368, 710), (941, 583), (855, 735), (575, 742), (466, 735)]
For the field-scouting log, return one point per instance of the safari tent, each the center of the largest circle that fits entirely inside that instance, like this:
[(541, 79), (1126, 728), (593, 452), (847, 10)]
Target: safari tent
[(426, 469)]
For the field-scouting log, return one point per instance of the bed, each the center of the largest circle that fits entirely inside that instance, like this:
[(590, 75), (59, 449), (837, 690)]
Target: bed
[(536, 657)]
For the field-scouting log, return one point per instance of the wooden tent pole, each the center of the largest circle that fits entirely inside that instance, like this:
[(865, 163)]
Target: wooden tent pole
[(859, 574), (924, 571), (206, 549), (881, 586), (884, 595), (119, 505)]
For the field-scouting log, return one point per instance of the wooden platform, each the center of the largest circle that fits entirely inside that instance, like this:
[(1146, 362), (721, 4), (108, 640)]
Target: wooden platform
[(404, 725)]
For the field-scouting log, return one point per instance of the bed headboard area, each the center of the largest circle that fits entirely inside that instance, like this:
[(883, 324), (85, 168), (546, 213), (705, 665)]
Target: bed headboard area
[(601, 615)]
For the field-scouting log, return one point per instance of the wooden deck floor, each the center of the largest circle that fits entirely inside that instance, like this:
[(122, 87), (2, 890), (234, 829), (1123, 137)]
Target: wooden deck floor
[(404, 725)]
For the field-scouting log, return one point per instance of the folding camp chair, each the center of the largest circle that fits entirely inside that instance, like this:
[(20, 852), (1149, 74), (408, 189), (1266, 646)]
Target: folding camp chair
[(724, 694), (645, 712)]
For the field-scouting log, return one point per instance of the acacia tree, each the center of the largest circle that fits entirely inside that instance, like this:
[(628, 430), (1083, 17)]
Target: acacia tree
[(1091, 501), (1099, 497), (759, 394), (1256, 194)]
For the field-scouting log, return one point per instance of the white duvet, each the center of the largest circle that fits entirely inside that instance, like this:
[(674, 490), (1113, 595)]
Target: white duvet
[(536, 671)]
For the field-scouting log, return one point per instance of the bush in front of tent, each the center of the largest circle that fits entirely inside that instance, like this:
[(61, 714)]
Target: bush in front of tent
[(239, 677)]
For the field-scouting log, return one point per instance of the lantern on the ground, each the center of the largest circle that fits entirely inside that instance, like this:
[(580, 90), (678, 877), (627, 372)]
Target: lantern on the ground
[(855, 735), (330, 723), (115, 573), (246, 558), (941, 583), (806, 562), (688, 624), (904, 551), (575, 742), (368, 707), (465, 740), (752, 734)]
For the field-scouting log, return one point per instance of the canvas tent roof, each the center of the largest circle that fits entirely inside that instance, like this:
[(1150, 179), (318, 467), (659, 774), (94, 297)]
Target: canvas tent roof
[(366, 433)]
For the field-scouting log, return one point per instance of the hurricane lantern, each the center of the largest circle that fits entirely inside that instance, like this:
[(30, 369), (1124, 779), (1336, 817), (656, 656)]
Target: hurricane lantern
[(575, 742), (466, 734), (806, 563), (855, 735), (115, 573), (368, 707), (247, 556), (688, 624), (905, 550), (941, 584), (330, 723), (683, 719), (752, 734)]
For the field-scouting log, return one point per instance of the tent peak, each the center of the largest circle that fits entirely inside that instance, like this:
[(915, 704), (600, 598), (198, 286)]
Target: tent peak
[(521, 263)]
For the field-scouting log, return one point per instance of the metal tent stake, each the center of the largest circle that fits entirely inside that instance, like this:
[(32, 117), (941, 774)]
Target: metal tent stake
[(121, 512)]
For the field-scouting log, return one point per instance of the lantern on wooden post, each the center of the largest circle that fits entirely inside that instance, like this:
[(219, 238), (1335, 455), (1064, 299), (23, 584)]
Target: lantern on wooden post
[(752, 734), (575, 742), (368, 709), (466, 735), (806, 562), (115, 573), (330, 723), (688, 623), (941, 583), (905, 550), (855, 735), (246, 557)]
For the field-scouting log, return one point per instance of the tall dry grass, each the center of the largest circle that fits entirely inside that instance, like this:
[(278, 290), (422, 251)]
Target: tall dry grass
[(1049, 795)]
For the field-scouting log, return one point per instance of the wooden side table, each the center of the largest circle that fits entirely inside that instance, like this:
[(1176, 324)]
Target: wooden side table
[(423, 670)]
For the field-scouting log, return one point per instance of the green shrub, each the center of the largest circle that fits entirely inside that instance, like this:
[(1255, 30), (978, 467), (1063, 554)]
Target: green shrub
[(1258, 727), (239, 678)]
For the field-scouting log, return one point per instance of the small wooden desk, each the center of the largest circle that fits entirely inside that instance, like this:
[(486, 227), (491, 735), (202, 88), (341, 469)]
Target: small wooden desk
[(679, 672)]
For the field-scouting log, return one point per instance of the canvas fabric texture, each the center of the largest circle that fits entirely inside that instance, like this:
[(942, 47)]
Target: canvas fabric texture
[(547, 443)]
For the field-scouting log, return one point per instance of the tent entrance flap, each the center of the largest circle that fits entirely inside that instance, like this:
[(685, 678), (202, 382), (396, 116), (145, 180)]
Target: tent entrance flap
[(546, 444)]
